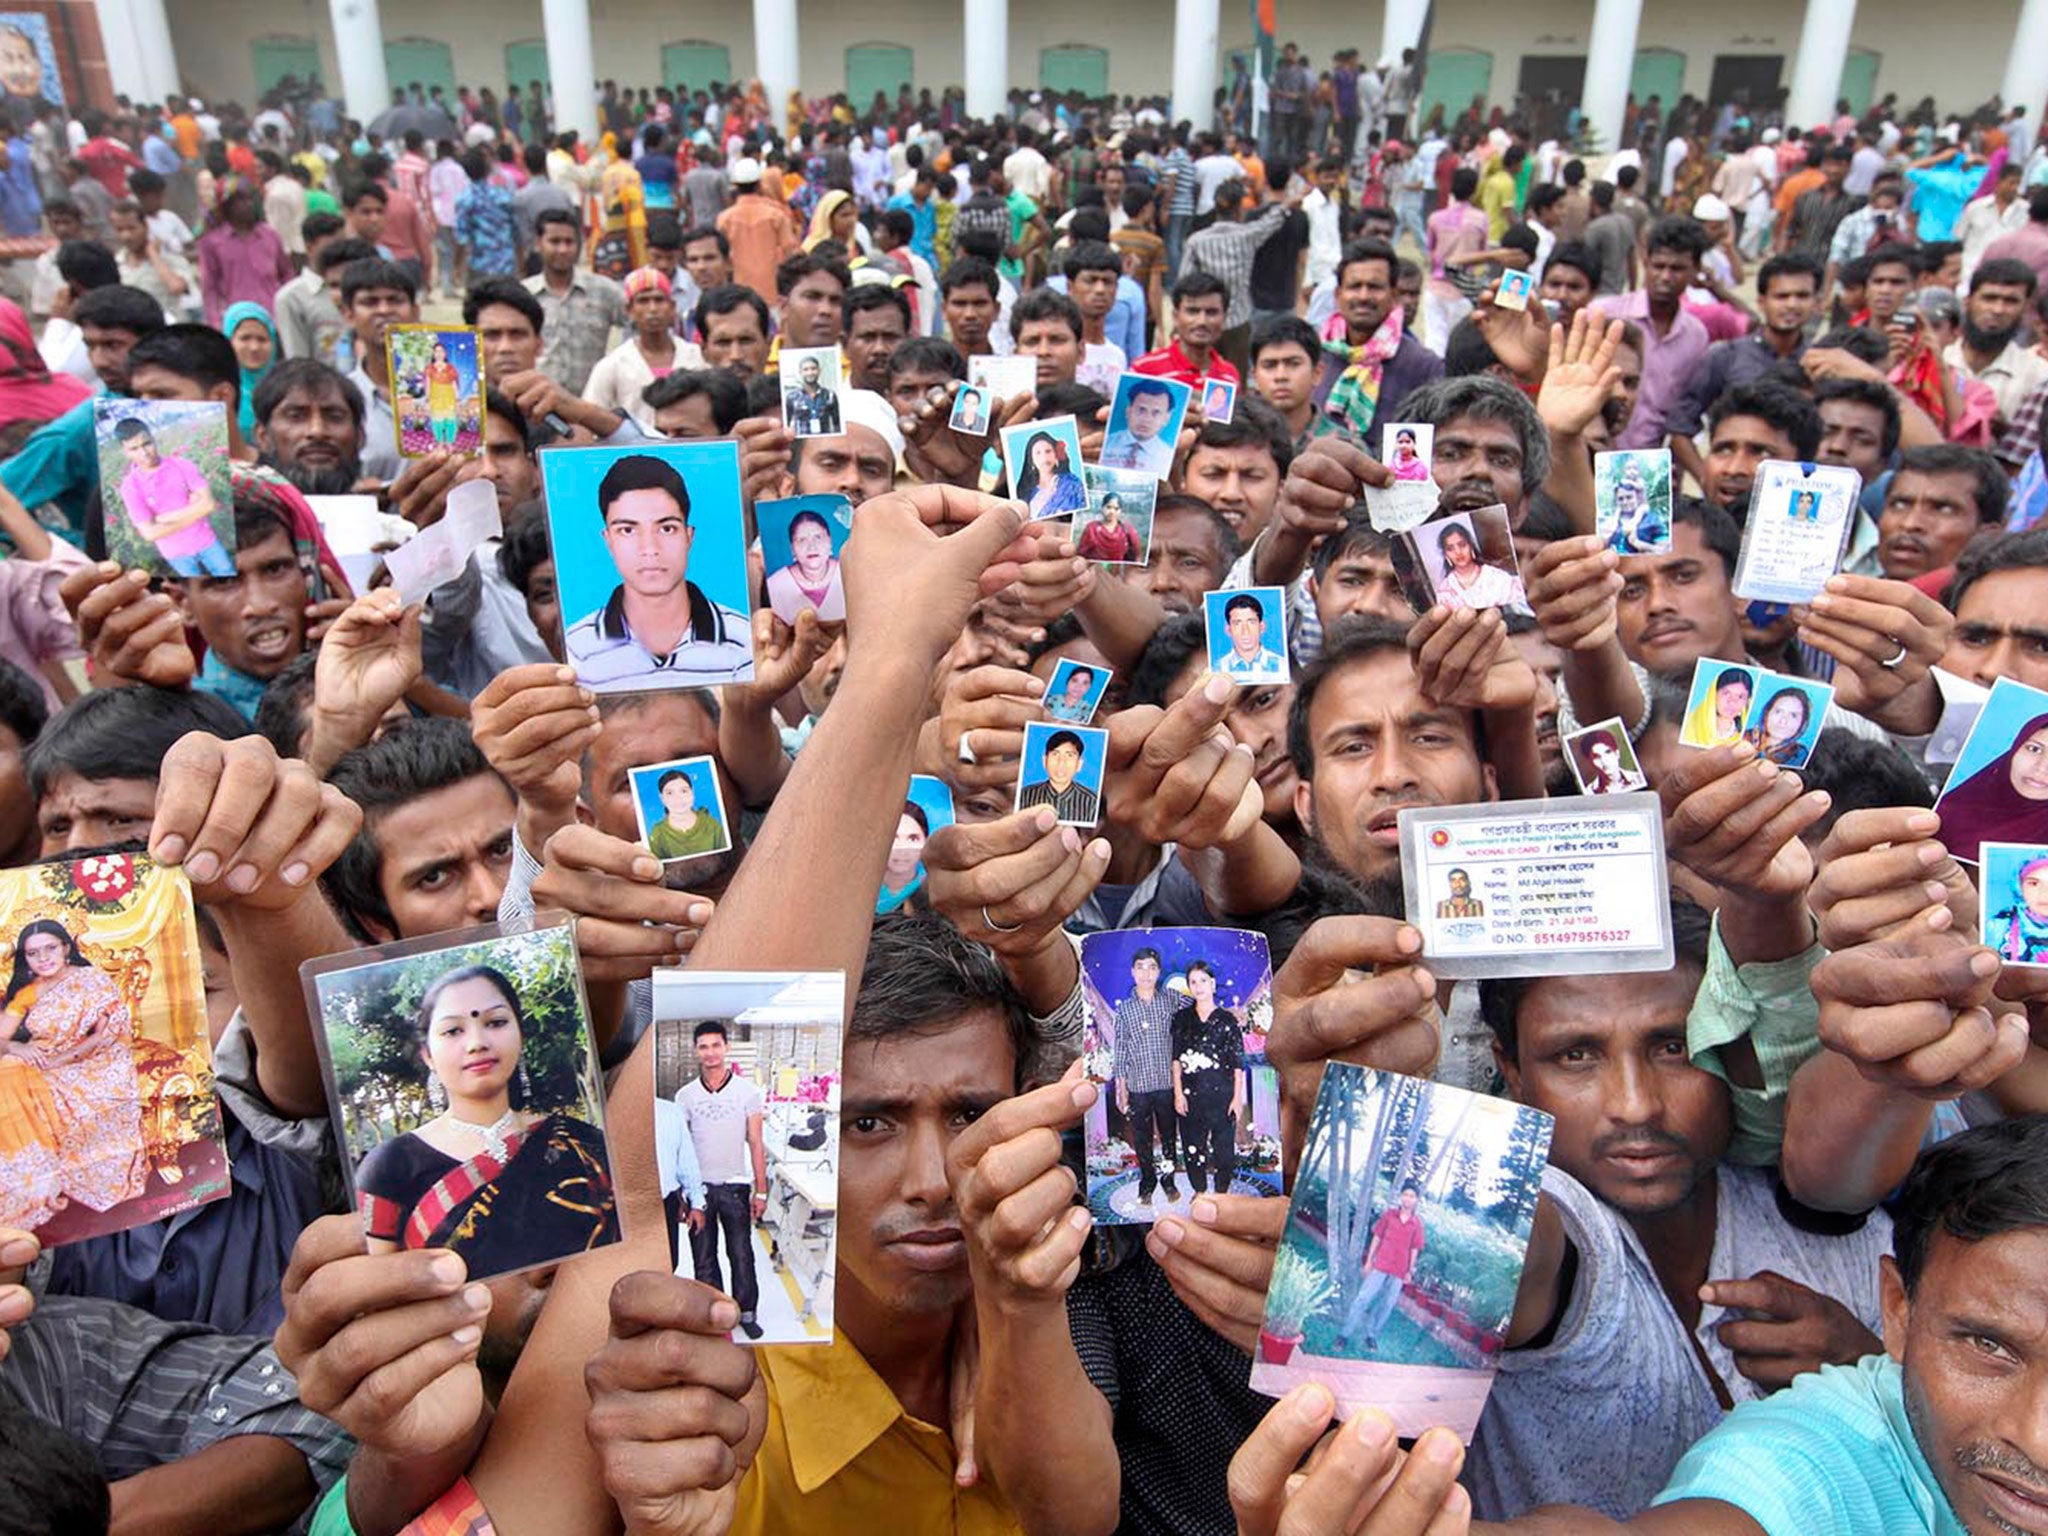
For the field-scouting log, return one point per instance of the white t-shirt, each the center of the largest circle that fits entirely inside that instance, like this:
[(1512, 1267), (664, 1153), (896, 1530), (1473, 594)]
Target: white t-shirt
[(718, 1127)]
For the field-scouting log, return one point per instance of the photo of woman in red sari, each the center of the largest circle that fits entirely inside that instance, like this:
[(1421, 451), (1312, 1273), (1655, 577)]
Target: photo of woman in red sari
[(70, 1102), (501, 1184)]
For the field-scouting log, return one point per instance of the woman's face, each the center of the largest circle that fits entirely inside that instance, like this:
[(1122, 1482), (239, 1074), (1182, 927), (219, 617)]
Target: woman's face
[(440, 352), (679, 798), (2034, 890), (843, 219), (1045, 457), (1606, 759), (252, 344), (1732, 699), (45, 953), (473, 1039), (1112, 509), (907, 852), (811, 548), (1201, 986), (2030, 766), (1785, 718), (21, 72), (1458, 550)]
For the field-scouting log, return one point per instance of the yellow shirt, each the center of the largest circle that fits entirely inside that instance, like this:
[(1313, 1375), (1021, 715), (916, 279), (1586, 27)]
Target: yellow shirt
[(1497, 200), (842, 1458)]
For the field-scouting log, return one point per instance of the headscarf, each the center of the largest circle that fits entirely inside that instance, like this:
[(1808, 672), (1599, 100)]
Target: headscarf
[(1985, 808), (647, 280), (1354, 399), (28, 390), (2021, 936), (821, 219), (225, 190), (251, 377)]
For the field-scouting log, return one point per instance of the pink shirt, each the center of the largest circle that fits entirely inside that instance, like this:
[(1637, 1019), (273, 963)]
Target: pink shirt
[(151, 494)]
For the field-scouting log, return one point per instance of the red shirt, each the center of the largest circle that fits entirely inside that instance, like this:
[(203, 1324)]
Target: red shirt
[(1398, 1240), (1169, 362), (108, 162)]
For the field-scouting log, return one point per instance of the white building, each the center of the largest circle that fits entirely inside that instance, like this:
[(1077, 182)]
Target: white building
[(1820, 49)]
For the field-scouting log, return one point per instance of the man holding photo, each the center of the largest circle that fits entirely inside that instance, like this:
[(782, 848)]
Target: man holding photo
[(1141, 1061), (724, 1113), (1397, 1239), (658, 628)]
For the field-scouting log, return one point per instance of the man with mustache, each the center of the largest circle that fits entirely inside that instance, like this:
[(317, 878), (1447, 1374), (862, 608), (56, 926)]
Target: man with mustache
[(1989, 351), (309, 426)]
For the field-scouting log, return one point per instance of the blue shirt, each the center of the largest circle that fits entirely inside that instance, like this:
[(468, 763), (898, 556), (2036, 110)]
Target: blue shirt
[(1831, 1455), (59, 467), (21, 203), (237, 688), (924, 223), (484, 223), (1939, 193)]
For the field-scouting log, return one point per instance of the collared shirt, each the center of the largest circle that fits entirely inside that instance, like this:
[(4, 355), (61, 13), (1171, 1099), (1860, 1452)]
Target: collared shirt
[(1771, 1004), (577, 330), (1668, 362), (2013, 376), (1727, 364), (1142, 1058), (1123, 449), (1226, 250), (842, 1457), (1170, 362), (608, 657), (675, 1152), (235, 267), (309, 323), (1265, 666), (381, 460), (1076, 803)]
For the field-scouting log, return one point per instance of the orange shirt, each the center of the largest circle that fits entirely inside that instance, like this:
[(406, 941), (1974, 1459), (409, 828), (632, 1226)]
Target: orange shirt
[(1794, 187), (760, 234), (190, 139)]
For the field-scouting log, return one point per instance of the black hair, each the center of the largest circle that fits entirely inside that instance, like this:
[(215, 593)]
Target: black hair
[(1366, 250), (1874, 393), (1500, 1000), (525, 548), (508, 291), (319, 224), (21, 975), (1681, 233), (1985, 1182), (1060, 739), (720, 386), (86, 265), (1352, 638), (311, 375), (1779, 405), (2007, 270), (413, 759), (119, 308), (727, 297), (1718, 531), (125, 733), (365, 190), (1042, 304), (1283, 330), (928, 354), (670, 777), (1467, 352), (1464, 182), (1787, 264), (256, 519), (1859, 341), (864, 296), (922, 976), (1198, 285), (499, 404), (1166, 655), (549, 218), (641, 472), (970, 272), (375, 272), (1485, 398), (794, 269), (1357, 535), (197, 353), (705, 232), (1227, 542), (1992, 489), (1894, 254), (24, 709), (716, 1027), (339, 253), (1859, 773), (287, 701), (1578, 256), (50, 1480), (1091, 256), (2025, 551)]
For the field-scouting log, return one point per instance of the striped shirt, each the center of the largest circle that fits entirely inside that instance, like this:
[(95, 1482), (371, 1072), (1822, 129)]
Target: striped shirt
[(1142, 1058), (1226, 251), (1180, 165)]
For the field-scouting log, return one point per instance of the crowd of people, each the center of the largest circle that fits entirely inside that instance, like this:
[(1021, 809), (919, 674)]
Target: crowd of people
[(1789, 1270)]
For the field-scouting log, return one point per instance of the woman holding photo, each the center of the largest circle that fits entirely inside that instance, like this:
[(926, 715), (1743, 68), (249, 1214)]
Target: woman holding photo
[(1048, 486), (66, 1018), (1208, 1082), (503, 1185)]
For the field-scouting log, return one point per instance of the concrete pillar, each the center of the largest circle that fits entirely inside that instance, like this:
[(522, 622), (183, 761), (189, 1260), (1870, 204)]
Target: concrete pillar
[(987, 77), (2026, 67), (159, 57), (1194, 61), (775, 55), (125, 69), (1402, 27), (1817, 68), (572, 72), (359, 51), (1610, 60)]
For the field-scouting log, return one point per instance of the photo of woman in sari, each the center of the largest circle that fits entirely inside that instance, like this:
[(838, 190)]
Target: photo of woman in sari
[(500, 1183), (70, 1102)]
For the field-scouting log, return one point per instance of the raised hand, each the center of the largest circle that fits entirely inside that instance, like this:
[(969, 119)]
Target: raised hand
[(1574, 587), (534, 723), (1735, 820), (368, 660), (1219, 1260), (129, 633), (18, 1250), (1464, 660), (982, 715), (248, 827), (1886, 638), (627, 920), (1880, 870), (1580, 374), (1016, 1197), (1358, 1483), (1011, 884), (918, 560), (1177, 774)]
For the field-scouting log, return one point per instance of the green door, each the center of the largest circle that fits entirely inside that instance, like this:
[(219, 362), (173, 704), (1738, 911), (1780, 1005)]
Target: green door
[(1859, 79), (1658, 72), (526, 62), (1075, 67), (276, 57), (872, 67), (1453, 77), (419, 60), (694, 66)]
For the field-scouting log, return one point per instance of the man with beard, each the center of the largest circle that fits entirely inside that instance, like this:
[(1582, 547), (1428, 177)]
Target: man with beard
[(309, 427), (1989, 351)]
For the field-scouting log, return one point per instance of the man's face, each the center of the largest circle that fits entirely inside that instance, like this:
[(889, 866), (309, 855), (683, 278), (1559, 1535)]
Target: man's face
[(511, 344), (1790, 303), (66, 226), (446, 855), (2002, 629), (1145, 973), (1566, 289), (1198, 321), (374, 310), (1361, 581), (313, 432), (130, 231), (653, 313), (1886, 292), (1970, 1340), (907, 390), (544, 606), (1053, 343), (807, 370), (970, 311), (689, 419), (707, 268), (711, 1049), (1677, 607), (1247, 628), (107, 350), (77, 812), (1285, 376), (508, 465), (735, 340), (1637, 1123), (1062, 763), (255, 620), (140, 451), (649, 540), (366, 219), (1461, 884), (1241, 481), (903, 1101), (1667, 274), (1738, 445), (1093, 292), (811, 315), (856, 464), (664, 260), (1478, 464), (1996, 311), (1145, 415), (1185, 561), (558, 245), (1852, 433), (1377, 743), (1365, 292), (874, 334), (1926, 522)]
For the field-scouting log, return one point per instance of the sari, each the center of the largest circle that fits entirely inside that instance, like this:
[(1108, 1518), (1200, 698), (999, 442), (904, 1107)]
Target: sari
[(619, 245), (550, 1196), (96, 1095), (31, 1147)]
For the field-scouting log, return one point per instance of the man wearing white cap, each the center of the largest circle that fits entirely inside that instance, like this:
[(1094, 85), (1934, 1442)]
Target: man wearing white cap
[(858, 463), (757, 228)]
